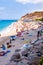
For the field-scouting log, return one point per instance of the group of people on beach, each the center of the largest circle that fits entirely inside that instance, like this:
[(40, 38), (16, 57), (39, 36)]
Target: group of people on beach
[(39, 34)]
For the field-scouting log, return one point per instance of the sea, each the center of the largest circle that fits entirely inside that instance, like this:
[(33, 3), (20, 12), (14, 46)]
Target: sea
[(6, 23)]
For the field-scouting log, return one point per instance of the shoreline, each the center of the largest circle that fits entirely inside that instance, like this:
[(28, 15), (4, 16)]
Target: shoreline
[(6, 30), (27, 37), (19, 26)]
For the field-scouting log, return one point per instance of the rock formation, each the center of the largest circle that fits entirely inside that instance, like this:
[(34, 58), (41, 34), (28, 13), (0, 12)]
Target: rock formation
[(32, 16)]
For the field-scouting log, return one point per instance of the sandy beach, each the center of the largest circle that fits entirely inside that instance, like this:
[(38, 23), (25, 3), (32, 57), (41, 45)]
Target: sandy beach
[(21, 32), (29, 36)]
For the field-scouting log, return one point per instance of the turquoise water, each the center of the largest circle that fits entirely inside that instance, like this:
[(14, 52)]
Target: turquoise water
[(5, 23)]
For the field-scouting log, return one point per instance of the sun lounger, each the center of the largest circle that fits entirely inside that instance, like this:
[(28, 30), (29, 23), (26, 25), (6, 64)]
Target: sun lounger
[(3, 53)]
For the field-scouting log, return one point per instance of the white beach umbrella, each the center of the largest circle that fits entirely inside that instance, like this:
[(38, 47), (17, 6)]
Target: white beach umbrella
[(26, 46)]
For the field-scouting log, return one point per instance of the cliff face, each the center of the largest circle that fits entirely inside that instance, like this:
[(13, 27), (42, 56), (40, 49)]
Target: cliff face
[(32, 16)]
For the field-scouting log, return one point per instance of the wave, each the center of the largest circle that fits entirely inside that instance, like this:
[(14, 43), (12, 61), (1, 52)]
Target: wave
[(5, 23)]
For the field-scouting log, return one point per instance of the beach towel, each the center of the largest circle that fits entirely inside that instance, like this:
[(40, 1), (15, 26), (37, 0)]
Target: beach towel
[(3, 53)]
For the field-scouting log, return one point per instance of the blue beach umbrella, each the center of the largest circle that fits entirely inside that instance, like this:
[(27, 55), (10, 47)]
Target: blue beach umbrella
[(3, 47), (13, 37)]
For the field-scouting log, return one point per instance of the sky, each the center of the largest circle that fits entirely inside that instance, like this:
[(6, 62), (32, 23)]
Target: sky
[(15, 9)]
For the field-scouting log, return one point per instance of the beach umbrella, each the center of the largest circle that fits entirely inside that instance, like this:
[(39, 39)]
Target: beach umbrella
[(26, 46), (3, 47), (13, 37)]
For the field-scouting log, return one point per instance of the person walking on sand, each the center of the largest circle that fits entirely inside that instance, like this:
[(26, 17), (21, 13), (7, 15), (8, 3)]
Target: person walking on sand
[(38, 34)]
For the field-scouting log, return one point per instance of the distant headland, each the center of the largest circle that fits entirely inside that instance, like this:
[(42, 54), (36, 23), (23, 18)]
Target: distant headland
[(37, 15)]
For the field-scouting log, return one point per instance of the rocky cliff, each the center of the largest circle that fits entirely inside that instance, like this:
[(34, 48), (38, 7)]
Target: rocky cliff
[(32, 16), (19, 26)]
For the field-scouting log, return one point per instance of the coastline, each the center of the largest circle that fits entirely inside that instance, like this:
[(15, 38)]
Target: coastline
[(28, 35), (6, 30), (21, 32), (18, 26), (6, 24)]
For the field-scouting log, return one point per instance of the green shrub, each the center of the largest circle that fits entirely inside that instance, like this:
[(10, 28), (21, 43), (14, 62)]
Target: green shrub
[(41, 19)]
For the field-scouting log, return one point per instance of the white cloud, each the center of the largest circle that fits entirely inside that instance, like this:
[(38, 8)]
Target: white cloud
[(36, 10), (29, 1), (2, 8)]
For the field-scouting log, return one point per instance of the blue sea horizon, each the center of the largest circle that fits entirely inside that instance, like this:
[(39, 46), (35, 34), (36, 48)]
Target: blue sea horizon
[(6, 23)]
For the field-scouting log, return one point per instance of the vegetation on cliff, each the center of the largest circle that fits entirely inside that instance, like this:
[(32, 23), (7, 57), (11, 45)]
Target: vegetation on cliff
[(33, 16), (40, 19)]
